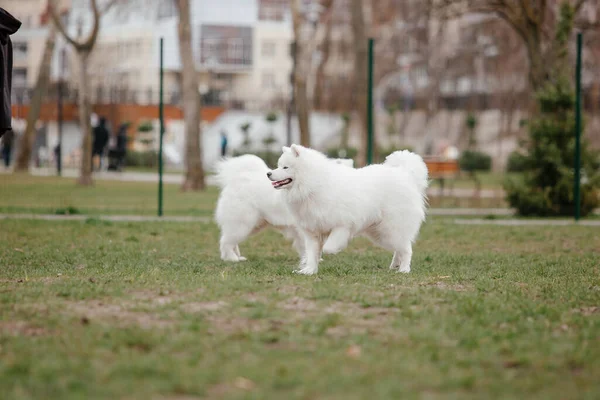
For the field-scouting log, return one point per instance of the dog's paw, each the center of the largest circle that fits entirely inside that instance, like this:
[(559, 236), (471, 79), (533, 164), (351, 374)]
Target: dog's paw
[(242, 258), (404, 270), (306, 271)]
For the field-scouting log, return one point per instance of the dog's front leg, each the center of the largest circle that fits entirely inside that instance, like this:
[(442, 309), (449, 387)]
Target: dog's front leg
[(312, 253)]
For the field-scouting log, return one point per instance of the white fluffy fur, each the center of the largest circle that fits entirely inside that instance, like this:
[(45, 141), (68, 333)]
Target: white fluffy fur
[(247, 204), (332, 203)]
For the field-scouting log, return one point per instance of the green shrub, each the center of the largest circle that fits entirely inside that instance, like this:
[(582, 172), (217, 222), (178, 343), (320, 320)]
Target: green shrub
[(547, 187), (473, 161), (517, 162), (145, 126), (148, 159), (271, 116)]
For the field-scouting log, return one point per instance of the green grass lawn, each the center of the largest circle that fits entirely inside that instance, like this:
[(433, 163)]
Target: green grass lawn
[(50, 195), (488, 180), (148, 311), (53, 195)]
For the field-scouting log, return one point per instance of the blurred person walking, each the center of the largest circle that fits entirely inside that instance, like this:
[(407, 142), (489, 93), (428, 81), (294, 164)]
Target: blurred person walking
[(100, 140), (6, 144), (223, 143), (117, 154)]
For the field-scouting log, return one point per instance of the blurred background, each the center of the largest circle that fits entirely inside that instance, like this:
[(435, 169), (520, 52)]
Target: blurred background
[(449, 77)]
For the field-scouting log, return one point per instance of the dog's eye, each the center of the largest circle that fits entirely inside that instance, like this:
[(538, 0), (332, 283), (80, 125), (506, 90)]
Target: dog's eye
[(285, 167)]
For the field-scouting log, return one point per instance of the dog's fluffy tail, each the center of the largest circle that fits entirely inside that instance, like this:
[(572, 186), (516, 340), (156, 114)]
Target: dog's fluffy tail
[(413, 163), (230, 170)]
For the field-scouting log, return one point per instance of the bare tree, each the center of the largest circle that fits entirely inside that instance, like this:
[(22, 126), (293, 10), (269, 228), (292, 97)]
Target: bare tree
[(40, 89), (83, 48), (360, 69), (301, 75), (325, 48), (305, 46), (532, 20), (194, 174)]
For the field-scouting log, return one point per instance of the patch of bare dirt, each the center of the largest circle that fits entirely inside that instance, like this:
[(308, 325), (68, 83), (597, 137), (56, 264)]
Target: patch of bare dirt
[(457, 287), (288, 289), (355, 319), (195, 307), (95, 310), (587, 311), (44, 279), (298, 304), (219, 391), (235, 324), (22, 328)]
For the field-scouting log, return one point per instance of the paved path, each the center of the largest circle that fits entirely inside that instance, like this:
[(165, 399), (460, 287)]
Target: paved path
[(177, 179), (526, 222), (459, 221), (112, 218)]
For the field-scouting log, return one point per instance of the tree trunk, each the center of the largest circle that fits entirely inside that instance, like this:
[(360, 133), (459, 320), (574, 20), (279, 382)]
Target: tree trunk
[(300, 77), (318, 98), (85, 174), (537, 64), (360, 76), (194, 174), (303, 110), (41, 87)]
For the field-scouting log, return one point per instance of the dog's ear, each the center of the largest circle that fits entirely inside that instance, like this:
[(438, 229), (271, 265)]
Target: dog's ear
[(285, 149), (295, 150)]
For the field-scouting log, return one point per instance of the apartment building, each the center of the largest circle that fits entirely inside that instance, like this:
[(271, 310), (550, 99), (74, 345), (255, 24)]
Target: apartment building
[(29, 41), (241, 50)]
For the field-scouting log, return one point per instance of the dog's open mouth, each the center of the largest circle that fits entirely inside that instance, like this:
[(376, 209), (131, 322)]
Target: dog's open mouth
[(280, 184)]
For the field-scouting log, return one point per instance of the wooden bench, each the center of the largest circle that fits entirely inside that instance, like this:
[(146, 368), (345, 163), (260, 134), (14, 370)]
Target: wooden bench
[(441, 169)]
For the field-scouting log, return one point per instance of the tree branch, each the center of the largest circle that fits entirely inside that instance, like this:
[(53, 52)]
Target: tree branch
[(59, 25), (578, 5), (108, 6), (529, 12), (88, 43)]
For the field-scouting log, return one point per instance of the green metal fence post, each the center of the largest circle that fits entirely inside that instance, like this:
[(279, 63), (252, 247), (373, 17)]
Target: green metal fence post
[(370, 127), (577, 194), (162, 131)]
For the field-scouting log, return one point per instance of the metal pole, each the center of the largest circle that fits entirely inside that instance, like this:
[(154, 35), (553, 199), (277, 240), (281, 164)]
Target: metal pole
[(162, 131), (60, 112), (577, 193), (290, 108), (370, 128)]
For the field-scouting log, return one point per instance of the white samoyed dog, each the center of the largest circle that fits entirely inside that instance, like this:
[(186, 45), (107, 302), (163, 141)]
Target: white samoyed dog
[(332, 203), (248, 203)]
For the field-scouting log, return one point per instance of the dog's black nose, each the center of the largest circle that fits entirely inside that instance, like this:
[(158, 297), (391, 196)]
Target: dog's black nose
[(269, 174)]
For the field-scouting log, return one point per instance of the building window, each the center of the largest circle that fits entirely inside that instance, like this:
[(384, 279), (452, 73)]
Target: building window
[(268, 80), (268, 48), (235, 50), (19, 77), (272, 10), (19, 50), (228, 45), (166, 9), (210, 50)]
